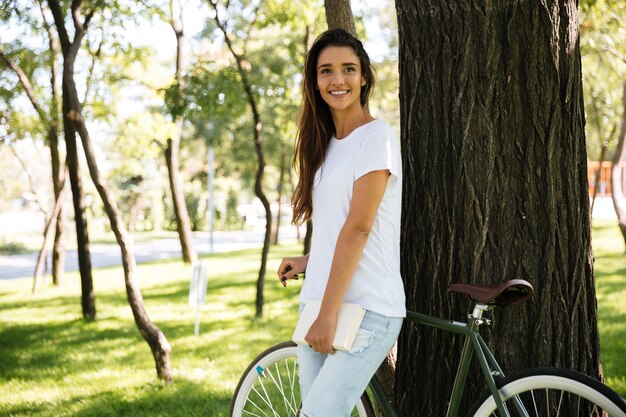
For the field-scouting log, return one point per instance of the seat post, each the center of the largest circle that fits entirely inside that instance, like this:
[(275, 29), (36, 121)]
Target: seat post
[(477, 314)]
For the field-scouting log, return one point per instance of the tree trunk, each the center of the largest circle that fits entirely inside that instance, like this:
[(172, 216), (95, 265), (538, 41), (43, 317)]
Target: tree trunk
[(495, 187), (41, 257), (596, 180), (151, 333), (616, 174), (258, 146), (339, 15), (58, 249), (281, 184), (183, 224), (88, 298)]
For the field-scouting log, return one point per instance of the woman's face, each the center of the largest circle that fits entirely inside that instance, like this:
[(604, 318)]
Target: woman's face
[(340, 77)]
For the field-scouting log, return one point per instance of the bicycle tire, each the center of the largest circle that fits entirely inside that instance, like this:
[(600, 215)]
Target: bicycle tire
[(553, 392), (270, 386)]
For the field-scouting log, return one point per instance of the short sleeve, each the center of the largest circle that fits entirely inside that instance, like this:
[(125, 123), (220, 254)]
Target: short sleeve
[(379, 150)]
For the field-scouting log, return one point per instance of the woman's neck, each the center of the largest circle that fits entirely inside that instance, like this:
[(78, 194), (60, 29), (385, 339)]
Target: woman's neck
[(346, 123)]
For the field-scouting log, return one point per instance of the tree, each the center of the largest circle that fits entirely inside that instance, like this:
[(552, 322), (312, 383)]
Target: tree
[(495, 186), (173, 144), (239, 57), (339, 15), (616, 172), (48, 112), (75, 123)]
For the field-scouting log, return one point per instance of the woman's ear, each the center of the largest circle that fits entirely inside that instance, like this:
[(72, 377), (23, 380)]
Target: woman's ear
[(363, 81)]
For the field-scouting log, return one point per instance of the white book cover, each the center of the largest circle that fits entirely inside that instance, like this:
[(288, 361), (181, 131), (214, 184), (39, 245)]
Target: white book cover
[(348, 323)]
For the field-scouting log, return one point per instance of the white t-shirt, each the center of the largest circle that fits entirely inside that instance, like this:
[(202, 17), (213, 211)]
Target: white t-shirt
[(376, 284)]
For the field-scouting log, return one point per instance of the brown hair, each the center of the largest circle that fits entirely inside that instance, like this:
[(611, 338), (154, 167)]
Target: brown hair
[(315, 123)]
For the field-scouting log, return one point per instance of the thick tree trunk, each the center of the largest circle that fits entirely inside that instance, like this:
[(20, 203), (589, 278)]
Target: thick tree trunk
[(616, 173), (339, 15), (75, 123), (495, 187), (183, 224)]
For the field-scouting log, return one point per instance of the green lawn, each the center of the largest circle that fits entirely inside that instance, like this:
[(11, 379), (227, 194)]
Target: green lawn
[(52, 363)]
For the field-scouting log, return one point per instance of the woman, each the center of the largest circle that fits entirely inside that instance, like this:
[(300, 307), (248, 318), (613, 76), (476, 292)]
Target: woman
[(350, 182)]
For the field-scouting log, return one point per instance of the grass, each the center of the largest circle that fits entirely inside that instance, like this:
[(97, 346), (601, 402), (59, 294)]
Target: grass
[(610, 273), (52, 363)]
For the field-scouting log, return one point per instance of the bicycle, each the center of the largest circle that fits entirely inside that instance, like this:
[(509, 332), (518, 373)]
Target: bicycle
[(269, 386)]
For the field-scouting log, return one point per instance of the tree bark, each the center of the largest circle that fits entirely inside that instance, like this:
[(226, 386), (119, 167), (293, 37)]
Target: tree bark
[(339, 15), (183, 224), (616, 174), (495, 187), (258, 146), (151, 333), (88, 297)]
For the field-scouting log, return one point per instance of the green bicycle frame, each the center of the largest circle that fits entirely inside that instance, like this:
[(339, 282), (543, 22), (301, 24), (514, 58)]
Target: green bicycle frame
[(474, 343)]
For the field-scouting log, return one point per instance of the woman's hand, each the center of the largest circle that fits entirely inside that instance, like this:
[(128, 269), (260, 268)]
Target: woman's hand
[(290, 267), (321, 334)]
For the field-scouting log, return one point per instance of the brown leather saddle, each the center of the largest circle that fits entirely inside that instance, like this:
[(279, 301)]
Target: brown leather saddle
[(509, 292)]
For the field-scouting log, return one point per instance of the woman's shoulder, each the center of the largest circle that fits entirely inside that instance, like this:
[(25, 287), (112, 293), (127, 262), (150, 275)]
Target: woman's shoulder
[(377, 125), (378, 128)]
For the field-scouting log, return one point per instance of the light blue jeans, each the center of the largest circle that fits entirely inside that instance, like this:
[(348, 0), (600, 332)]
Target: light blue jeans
[(330, 385)]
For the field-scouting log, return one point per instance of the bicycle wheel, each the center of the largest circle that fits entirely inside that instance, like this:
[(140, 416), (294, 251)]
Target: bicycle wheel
[(542, 392), (270, 388)]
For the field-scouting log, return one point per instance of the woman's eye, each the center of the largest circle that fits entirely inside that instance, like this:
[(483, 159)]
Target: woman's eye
[(350, 69), (325, 71)]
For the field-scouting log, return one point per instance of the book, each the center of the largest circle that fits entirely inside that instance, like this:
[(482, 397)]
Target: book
[(348, 323)]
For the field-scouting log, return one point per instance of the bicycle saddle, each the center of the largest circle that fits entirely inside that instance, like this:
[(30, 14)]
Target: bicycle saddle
[(508, 292)]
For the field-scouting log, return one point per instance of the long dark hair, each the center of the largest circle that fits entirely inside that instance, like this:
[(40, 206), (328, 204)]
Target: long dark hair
[(315, 123)]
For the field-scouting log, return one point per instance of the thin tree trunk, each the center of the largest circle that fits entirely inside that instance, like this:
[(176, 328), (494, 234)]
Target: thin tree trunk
[(88, 297), (258, 146), (183, 224), (41, 257), (308, 234), (339, 15), (281, 183), (495, 187), (596, 180), (616, 174), (151, 333)]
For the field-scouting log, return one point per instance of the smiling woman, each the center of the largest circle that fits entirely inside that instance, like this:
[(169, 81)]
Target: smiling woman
[(350, 183)]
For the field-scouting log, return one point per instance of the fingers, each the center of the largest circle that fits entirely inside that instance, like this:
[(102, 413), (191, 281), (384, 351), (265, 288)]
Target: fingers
[(323, 346), (286, 271)]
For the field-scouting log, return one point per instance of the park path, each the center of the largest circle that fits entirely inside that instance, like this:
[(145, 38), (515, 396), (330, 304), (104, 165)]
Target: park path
[(105, 255)]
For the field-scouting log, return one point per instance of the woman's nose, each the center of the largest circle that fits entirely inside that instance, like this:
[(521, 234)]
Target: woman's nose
[(337, 79)]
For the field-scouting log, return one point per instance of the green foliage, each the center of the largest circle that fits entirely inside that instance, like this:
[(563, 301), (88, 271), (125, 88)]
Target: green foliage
[(11, 248), (603, 40)]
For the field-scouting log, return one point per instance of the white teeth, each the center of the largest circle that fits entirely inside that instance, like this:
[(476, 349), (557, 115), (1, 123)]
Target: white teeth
[(338, 92)]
